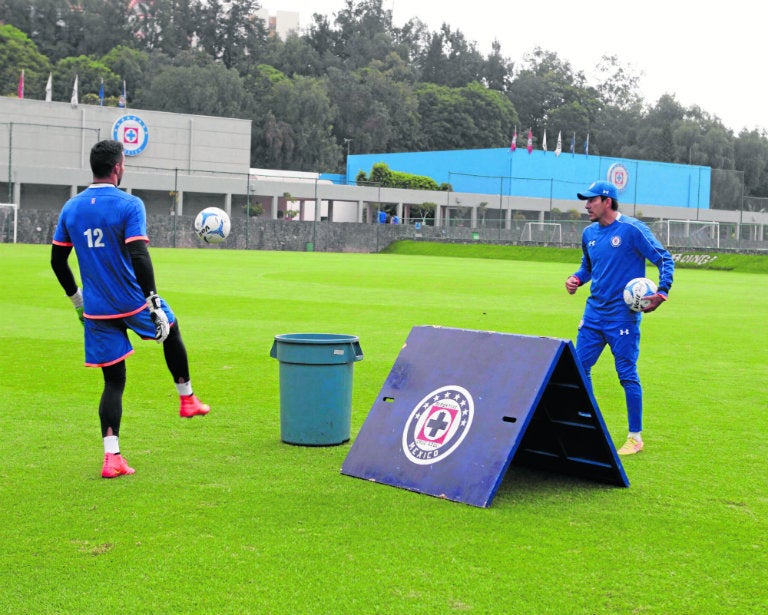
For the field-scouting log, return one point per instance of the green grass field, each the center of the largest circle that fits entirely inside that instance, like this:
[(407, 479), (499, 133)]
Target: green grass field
[(221, 517)]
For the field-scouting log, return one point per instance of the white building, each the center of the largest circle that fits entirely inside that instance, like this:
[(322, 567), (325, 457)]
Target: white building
[(281, 23)]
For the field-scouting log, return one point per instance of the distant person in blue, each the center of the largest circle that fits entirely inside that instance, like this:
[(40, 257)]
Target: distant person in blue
[(108, 230), (615, 248)]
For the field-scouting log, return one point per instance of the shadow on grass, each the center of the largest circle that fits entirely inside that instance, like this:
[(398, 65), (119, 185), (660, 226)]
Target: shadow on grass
[(523, 485)]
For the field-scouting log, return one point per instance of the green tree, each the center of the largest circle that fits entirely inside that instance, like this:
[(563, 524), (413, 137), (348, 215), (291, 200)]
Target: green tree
[(87, 32), (718, 143), (47, 22), (168, 26), (654, 140), (133, 67), (208, 90), (498, 70), (425, 211), (89, 74), (324, 40), (451, 60), (461, 118), (614, 128), (378, 113), (297, 130), (231, 33), (364, 33), (17, 52), (294, 56), (618, 85), (751, 156), (548, 94)]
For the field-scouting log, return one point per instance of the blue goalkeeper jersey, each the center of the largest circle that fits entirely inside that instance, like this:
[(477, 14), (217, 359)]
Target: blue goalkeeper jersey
[(99, 223), (612, 256)]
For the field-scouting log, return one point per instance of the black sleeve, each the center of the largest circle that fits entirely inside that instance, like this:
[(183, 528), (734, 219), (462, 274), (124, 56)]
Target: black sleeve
[(142, 266), (60, 266)]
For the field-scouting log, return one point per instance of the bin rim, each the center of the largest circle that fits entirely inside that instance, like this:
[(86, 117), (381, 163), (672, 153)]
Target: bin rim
[(316, 338)]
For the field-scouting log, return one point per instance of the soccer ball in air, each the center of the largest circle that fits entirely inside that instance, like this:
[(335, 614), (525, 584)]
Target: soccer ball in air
[(212, 225), (636, 291)]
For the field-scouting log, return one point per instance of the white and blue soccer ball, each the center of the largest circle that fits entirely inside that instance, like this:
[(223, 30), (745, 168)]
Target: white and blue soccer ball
[(212, 225), (636, 293)]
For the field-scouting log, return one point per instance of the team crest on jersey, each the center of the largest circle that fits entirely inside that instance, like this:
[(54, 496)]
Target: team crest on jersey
[(438, 424), (615, 241)]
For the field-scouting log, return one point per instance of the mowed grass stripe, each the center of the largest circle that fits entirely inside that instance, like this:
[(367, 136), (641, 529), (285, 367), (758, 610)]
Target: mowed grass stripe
[(221, 517)]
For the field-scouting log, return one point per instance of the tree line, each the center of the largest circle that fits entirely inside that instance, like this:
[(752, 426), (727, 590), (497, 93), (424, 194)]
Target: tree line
[(353, 82)]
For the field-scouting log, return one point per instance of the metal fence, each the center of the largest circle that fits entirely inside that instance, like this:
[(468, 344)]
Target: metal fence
[(172, 194)]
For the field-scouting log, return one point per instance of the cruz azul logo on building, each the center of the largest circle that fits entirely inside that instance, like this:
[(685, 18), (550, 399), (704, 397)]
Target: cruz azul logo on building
[(618, 176), (132, 132), (438, 424)]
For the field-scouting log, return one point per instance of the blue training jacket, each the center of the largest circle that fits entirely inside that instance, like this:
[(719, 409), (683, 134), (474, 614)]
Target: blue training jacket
[(612, 256)]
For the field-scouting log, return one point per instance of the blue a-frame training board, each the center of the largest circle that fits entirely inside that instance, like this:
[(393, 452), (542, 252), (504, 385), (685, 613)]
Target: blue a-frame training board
[(460, 405)]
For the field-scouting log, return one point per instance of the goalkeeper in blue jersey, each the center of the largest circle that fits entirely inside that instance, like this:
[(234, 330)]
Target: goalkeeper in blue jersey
[(108, 230), (615, 249)]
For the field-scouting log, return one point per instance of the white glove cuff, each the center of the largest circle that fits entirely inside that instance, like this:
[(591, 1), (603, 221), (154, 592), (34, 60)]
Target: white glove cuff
[(153, 301), (77, 299)]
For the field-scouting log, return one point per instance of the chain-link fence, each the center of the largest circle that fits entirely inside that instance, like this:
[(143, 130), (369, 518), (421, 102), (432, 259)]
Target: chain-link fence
[(173, 195)]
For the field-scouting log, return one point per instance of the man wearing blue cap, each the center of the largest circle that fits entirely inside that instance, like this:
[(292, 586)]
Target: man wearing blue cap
[(615, 248)]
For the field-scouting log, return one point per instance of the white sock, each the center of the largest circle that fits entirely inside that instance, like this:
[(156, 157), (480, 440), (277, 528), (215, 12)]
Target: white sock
[(111, 445), (184, 388), (636, 435)]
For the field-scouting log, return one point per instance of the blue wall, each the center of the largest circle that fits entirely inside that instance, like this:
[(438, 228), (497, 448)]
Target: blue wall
[(541, 174)]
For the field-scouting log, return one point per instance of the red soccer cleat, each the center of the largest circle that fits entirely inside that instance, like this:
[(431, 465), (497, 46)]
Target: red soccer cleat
[(192, 406), (114, 466)]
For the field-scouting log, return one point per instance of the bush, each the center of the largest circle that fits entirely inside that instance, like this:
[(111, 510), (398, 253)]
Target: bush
[(381, 174)]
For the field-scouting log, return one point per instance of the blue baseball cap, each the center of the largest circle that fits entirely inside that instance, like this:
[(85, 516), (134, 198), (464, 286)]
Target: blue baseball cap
[(599, 189)]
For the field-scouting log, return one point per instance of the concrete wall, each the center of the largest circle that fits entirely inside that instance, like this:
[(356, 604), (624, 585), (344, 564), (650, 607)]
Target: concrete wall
[(38, 137), (37, 227)]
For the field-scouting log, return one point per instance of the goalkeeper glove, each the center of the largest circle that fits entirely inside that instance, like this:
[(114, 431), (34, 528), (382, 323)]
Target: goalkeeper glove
[(159, 318), (654, 301), (77, 301)]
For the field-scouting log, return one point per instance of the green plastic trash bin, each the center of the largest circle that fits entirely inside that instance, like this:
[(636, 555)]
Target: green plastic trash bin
[(316, 372)]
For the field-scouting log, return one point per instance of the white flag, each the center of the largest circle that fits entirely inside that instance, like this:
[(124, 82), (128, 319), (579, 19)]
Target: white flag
[(544, 142), (49, 88), (559, 147), (74, 94), (122, 101)]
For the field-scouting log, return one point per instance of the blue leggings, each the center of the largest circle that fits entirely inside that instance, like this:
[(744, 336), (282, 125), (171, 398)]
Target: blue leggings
[(623, 338)]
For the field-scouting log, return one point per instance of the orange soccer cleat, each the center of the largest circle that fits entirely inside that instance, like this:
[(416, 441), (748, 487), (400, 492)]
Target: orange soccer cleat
[(630, 447)]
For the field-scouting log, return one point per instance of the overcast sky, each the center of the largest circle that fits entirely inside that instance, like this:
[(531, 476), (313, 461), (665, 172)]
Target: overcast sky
[(706, 54)]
